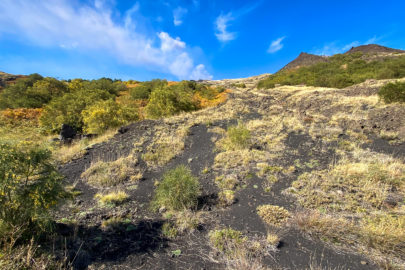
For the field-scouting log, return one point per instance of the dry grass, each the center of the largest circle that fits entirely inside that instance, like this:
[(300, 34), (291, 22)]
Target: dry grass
[(107, 174), (187, 220), (273, 239), (273, 214), (237, 251), (356, 185), (76, 150), (239, 159), (168, 142), (113, 198), (113, 223), (237, 138), (379, 236), (226, 197)]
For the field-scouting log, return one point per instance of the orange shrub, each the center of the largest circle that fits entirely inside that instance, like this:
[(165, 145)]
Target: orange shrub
[(21, 114)]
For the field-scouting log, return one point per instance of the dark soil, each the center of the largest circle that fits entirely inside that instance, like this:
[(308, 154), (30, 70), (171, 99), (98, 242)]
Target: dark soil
[(140, 244)]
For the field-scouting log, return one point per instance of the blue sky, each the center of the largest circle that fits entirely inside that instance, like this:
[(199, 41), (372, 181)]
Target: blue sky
[(185, 39)]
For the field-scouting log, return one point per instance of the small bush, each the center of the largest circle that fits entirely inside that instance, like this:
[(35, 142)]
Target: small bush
[(273, 214), (29, 186), (393, 92), (238, 137), (169, 230), (226, 240), (273, 239), (113, 198), (239, 85), (178, 190), (226, 197)]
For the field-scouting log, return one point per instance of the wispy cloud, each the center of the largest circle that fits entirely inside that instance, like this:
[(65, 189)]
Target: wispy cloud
[(178, 15), (90, 28), (276, 45), (223, 21), (335, 47)]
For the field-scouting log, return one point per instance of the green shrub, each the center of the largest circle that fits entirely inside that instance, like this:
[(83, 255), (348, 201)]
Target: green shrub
[(30, 92), (239, 85), (238, 137), (340, 71), (226, 240), (107, 114), (178, 190), (68, 109), (140, 92), (144, 89), (171, 100), (393, 92), (29, 186)]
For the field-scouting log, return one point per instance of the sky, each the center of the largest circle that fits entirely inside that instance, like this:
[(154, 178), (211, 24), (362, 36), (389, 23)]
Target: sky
[(185, 39)]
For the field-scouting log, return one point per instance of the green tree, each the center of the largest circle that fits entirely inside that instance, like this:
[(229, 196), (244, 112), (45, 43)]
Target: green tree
[(68, 108), (107, 114), (171, 100), (144, 89), (15, 96)]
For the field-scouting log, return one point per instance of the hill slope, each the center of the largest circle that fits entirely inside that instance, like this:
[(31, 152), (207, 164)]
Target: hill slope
[(298, 135), (373, 49), (6, 78), (305, 59), (341, 70)]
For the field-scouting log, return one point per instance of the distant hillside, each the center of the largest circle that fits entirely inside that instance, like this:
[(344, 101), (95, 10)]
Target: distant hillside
[(373, 49), (6, 79), (305, 59), (341, 70)]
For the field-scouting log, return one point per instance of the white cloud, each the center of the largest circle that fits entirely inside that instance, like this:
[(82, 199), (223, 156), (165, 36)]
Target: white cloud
[(200, 72), (178, 15), (223, 21), (332, 48), (276, 45), (68, 24), (221, 24), (169, 44)]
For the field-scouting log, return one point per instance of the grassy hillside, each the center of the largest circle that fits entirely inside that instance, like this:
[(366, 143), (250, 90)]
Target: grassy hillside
[(340, 71)]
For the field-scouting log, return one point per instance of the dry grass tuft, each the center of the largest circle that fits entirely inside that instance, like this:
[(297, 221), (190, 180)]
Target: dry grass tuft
[(226, 197), (113, 198), (273, 214), (76, 150), (355, 186), (168, 142), (107, 174)]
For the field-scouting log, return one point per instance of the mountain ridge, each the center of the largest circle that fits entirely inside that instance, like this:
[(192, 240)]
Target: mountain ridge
[(308, 59)]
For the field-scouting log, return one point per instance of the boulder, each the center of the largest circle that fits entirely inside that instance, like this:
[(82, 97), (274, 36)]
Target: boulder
[(67, 132)]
